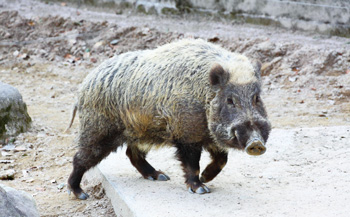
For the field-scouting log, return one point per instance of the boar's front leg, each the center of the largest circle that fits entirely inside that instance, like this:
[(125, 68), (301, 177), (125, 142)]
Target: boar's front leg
[(138, 159), (189, 155), (219, 160)]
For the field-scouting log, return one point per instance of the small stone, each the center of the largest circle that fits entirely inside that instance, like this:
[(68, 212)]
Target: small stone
[(30, 180), (19, 148), (331, 102), (51, 57), (24, 56), (94, 60), (40, 189), (6, 161), (86, 55), (72, 42), (30, 145), (145, 31), (5, 154), (61, 186), (214, 39), (16, 53), (98, 44), (25, 173), (8, 147), (43, 52), (7, 174), (292, 79), (53, 181), (114, 42), (61, 162)]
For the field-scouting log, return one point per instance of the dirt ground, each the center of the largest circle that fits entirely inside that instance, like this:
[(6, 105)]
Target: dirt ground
[(46, 50)]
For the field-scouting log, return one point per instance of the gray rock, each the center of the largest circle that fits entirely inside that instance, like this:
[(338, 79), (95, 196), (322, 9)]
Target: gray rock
[(15, 203), (14, 118)]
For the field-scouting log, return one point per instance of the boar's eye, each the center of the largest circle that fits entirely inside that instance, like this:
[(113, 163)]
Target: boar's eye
[(230, 101)]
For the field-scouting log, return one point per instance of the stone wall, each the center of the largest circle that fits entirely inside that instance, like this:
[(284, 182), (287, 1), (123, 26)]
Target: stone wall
[(323, 16)]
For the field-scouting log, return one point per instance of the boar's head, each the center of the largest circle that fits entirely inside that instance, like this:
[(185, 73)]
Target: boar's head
[(237, 116)]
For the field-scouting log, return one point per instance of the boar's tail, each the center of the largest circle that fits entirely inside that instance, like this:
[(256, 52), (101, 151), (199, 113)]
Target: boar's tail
[(75, 108)]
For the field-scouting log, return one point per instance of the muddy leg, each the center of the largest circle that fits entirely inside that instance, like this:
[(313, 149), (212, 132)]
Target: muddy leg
[(189, 155), (219, 160), (87, 157), (137, 158)]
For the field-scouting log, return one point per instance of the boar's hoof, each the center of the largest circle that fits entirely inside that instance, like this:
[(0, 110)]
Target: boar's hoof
[(81, 195), (150, 178), (201, 190), (163, 177), (160, 177)]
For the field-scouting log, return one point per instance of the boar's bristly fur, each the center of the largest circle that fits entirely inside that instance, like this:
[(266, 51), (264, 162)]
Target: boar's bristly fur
[(189, 94)]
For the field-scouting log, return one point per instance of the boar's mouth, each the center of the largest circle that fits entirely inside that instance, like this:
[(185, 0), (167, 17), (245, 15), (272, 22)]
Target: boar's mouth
[(235, 137)]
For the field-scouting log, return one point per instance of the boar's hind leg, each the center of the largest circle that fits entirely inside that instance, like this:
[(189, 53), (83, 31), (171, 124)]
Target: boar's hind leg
[(219, 160), (90, 153), (189, 155), (137, 158)]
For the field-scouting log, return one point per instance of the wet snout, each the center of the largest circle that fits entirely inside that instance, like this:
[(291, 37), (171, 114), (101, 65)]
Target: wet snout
[(255, 145)]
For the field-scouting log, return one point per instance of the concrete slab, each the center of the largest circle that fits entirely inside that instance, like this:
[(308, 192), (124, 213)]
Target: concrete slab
[(305, 172)]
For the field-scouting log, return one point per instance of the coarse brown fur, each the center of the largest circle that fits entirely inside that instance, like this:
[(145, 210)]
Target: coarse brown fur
[(161, 97)]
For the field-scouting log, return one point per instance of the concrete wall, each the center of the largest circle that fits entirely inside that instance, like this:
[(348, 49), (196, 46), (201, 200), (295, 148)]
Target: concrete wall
[(318, 10), (325, 16)]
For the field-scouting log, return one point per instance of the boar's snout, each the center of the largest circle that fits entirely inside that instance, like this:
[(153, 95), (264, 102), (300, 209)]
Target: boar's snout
[(255, 145)]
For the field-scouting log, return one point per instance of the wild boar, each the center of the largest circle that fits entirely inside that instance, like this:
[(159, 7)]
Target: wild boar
[(189, 94)]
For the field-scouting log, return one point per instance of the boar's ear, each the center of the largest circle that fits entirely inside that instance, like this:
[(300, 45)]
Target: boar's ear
[(217, 76), (257, 68)]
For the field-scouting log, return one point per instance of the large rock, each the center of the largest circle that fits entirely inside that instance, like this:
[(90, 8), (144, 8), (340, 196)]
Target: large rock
[(15, 203), (14, 118)]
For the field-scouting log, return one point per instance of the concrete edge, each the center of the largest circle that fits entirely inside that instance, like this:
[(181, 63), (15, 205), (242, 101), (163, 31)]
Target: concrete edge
[(120, 206)]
